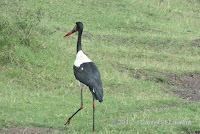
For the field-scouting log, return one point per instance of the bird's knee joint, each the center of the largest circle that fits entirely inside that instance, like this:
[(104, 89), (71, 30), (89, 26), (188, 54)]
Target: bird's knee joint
[(93, 104), (81, 107)]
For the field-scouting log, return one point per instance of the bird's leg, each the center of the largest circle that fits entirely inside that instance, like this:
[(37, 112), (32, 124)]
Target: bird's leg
[(93, 112), (81, 107)]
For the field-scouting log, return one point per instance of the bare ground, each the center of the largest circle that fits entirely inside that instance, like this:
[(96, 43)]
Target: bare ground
[(195, 132), (28, 130), (186, 86), (42, 130)]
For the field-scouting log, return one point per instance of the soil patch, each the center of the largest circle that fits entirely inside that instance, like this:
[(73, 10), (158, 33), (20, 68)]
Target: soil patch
[(187, 86), (195, 132), (28, 130), (196, 43)]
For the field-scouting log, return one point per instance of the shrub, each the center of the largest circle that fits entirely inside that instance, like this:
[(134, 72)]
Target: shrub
[(19, 28)]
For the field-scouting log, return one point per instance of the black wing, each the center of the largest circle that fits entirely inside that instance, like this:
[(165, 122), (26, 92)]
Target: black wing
[(89, 75)]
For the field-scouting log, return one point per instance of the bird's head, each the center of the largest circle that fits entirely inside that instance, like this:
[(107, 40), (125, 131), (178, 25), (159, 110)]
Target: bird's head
[(78, 27)]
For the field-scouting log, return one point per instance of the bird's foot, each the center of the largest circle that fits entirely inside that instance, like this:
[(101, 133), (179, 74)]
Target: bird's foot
[(68, 122)]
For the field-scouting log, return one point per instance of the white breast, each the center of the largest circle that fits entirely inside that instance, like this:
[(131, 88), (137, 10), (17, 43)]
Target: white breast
[(81, 58)]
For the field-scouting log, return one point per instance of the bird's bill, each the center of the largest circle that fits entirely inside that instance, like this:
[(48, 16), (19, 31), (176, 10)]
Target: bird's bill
[(72, 31)]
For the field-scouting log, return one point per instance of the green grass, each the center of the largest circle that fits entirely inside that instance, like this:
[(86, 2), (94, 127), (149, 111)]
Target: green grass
[(37, 86)]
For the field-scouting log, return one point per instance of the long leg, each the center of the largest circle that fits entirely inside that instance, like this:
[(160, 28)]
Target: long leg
[(68, 121), (93, 112)]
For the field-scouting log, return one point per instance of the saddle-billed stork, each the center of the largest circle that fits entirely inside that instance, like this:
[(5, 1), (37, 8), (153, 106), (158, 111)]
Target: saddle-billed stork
[(86, 72)]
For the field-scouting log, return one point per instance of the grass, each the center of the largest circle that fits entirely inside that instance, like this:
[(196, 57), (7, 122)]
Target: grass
[(37, 86)]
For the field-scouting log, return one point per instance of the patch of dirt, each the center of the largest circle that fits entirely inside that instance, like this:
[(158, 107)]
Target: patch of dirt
[(195, 132), (196, 43), (28, 130), (144, 74), (187, 86)]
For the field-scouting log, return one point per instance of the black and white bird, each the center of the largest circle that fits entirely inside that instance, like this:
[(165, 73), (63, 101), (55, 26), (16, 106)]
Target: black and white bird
[(86, 72)]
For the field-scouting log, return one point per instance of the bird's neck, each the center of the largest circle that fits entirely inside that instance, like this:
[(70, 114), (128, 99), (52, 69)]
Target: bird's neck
[(79, 42)]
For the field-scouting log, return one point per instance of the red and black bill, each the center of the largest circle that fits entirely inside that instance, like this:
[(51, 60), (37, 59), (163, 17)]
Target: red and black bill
[(72, 31)]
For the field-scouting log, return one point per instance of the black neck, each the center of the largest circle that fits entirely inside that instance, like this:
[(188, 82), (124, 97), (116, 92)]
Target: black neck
[(79, 42)]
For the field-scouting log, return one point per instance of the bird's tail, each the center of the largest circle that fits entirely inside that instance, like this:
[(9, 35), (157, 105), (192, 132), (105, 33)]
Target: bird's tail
[(97, 92)]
